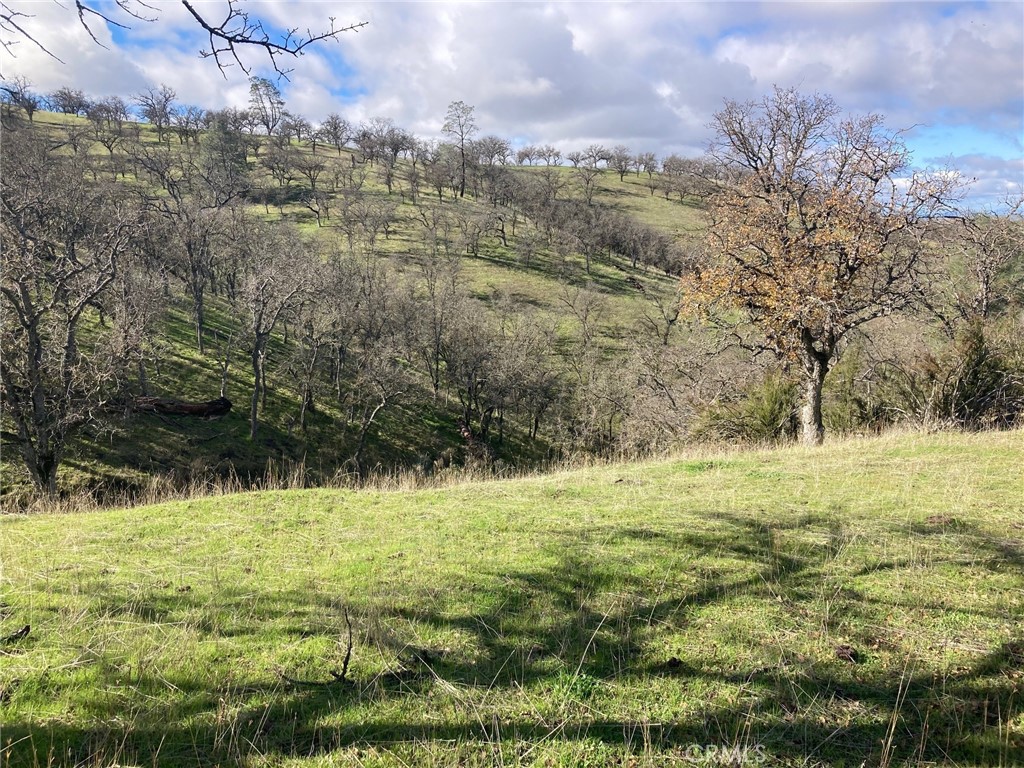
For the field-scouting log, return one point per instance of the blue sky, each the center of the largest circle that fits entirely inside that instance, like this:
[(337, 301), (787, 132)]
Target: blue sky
[(646, 74)]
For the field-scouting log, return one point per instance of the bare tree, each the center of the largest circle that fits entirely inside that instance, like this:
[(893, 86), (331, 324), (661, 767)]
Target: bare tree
[(493, 150), (187, 122), (336, 131), (549, 155), (297, 127), (110, 113), (63, 241), (79, 137), (20, 95), (282, 163), (238, 31), (156, 106), (460, 125), (190, 214), (596, 154), (588, 174), (621, 160), (978, 274), (311, 167), (319, 203), (527, 155), (441, 168), (266, 104), (277, 276), (68, 101), (647, 162)]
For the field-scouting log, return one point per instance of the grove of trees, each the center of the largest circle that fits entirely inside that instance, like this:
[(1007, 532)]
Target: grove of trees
[(366, 293)]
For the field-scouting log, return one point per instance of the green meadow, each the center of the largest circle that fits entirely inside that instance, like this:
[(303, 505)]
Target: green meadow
[(860, 604)]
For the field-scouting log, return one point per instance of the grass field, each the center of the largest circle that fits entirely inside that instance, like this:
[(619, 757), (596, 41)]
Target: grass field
[(858, 604)]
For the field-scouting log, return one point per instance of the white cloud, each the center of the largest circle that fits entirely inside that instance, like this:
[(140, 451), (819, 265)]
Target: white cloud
[(646, 74)]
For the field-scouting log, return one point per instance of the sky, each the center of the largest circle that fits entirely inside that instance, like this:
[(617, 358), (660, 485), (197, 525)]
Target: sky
[(646, 74)]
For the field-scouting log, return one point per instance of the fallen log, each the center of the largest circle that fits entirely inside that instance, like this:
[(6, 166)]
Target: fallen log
[(171, 407)]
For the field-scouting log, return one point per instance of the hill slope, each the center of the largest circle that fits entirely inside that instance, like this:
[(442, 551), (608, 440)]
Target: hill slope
[(500, 265), (857, 603)]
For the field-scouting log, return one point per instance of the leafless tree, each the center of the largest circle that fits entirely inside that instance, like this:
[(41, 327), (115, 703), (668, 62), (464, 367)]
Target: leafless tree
[(19, 94), (647, 162), (296, 127), (79, 137), (441, 169), (526, 155), (282, 163), (311, 167), (68, 101), (190, 216), (187, 122), (549, 155), (460, 126), (266, 104), (492, 150), (63, 241), (982, 268), (336, 131), (596, 154), (620, 159), (588, 174), (276, 280), (156, 107), (110, 112)]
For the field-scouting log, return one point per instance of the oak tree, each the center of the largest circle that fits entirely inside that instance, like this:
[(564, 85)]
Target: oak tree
[(460, 127), (64, 241), (818, 230)]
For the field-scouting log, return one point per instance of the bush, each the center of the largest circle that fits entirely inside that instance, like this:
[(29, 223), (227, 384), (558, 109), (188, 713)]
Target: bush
[(764, 413), (978, 383), (852, 403)]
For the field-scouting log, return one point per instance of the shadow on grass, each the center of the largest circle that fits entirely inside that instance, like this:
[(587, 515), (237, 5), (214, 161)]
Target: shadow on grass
[(585, 621)]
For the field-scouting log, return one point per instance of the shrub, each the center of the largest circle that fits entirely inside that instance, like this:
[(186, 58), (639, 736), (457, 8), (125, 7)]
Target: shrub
[(977, 383), (763, 413)]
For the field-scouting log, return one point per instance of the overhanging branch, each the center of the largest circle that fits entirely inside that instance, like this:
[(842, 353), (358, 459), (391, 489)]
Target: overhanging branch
[(238, 29)]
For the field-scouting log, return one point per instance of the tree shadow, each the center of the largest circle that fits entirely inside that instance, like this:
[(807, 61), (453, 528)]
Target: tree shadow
[(582, 620)]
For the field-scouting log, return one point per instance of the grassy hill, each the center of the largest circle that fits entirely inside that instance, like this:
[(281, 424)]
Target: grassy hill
[(123, 454), (858, 604)]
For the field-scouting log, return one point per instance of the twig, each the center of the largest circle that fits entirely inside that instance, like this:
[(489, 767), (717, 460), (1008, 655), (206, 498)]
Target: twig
[(338, 677), (21, 634)]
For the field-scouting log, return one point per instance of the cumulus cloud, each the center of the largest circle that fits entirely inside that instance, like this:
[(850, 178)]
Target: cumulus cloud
[(649, 75)]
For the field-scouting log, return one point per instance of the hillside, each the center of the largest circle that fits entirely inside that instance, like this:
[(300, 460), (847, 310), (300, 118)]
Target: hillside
[(500, 265), (857, 604), (365, 311)]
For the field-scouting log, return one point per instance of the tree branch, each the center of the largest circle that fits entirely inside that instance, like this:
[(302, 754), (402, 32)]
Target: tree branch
[(238, 29), (226, 38)]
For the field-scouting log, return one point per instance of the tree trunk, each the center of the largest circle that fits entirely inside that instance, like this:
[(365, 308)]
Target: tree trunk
[(48, 474), (43, 468), (812, 429), (169, 406), (200, 314), (257, 388)]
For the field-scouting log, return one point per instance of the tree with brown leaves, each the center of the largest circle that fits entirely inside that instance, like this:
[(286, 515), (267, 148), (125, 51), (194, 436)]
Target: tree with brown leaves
[(817, 231)]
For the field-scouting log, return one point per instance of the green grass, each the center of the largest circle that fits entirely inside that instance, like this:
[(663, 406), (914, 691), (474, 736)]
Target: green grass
[(640, 614)]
